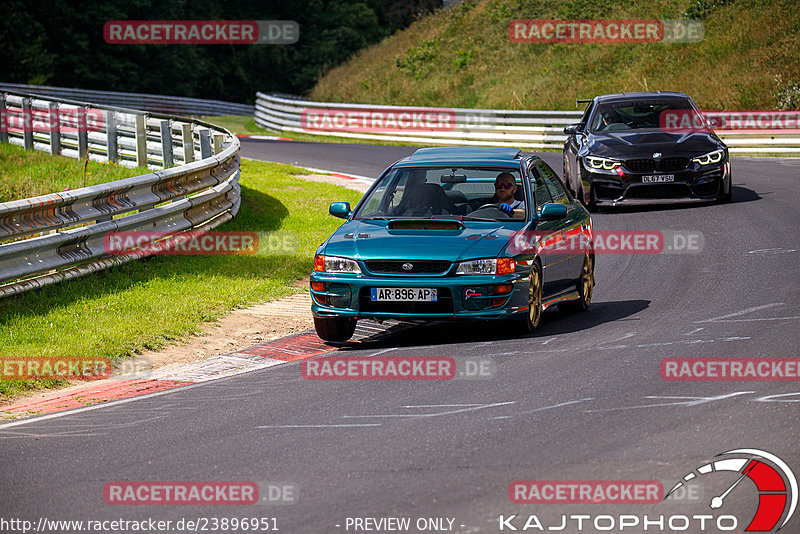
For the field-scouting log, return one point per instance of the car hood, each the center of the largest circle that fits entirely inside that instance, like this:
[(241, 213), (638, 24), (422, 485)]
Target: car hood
[(365, 240), (643, 143)]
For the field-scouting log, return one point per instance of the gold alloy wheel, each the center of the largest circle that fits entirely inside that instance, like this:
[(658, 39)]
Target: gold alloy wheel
[(587, 280), (535, 297)]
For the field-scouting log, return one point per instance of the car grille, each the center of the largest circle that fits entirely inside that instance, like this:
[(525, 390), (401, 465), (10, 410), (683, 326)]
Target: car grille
[(418, 266), (607, 191), (663, 164), (443, 305)]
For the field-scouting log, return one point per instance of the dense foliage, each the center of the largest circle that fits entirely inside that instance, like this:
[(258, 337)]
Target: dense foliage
[(60, 43)]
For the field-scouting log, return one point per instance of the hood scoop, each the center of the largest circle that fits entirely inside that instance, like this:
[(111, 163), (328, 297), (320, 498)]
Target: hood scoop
[(424, 224)]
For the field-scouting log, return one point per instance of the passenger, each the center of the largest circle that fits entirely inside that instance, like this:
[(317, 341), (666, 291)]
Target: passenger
[(422, 198)]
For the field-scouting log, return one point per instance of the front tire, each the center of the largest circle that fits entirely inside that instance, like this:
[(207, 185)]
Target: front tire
[(725, 198), (534, 315), (585, 288), (567, 180), (336, 329)]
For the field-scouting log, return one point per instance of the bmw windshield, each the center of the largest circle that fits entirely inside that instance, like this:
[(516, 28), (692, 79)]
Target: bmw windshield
[(639, 114)]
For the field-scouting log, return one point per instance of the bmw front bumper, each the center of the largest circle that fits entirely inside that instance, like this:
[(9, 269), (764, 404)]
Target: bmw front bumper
[(698, 183)]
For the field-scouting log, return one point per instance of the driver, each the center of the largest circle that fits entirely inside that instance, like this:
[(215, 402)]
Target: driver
[(610, 117), (505, 187)]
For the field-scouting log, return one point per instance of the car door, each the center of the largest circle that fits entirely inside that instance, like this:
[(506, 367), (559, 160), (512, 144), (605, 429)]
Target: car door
[(546, 233), (566, 259)]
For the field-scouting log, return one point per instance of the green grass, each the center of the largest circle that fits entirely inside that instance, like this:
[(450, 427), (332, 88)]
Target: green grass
[(462, 57), (31, 173), (148, 303)]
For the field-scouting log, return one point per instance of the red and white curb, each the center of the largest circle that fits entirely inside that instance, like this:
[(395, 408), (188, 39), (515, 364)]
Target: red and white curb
[(116, 390), (366, 180), (265, 137), (287, 349)]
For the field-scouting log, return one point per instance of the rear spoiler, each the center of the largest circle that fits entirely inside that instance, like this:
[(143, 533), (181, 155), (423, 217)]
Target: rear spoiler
[(579, 101)]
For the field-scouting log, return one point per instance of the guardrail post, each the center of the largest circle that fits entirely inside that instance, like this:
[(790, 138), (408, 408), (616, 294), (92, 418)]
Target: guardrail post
[(55, 129), (218, 140), (205, 144), (166, 144), (141, 140), (27, 124), (188, 143), (112, 143), (3, 119), (83, 134)]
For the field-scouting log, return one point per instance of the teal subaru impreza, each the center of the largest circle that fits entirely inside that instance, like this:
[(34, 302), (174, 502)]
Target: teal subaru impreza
[(455, 233)]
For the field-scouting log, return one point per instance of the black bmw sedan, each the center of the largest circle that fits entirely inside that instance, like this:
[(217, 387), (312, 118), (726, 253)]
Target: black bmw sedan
[(645, 147)]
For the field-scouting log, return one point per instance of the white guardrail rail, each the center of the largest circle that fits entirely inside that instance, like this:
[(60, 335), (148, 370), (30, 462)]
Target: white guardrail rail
[(170, 105), (194, 185), (487, 127)]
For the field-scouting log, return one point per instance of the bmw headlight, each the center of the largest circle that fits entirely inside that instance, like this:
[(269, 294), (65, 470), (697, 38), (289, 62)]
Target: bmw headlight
[(710, 158), (335, 264), (594, 162), (487, 266)]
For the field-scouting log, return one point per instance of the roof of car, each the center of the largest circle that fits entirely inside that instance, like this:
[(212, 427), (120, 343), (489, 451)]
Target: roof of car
[(463, 155), (637, 95)]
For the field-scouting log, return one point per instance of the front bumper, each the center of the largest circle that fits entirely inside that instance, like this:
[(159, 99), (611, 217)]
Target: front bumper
[(459, 297), (695, 183)]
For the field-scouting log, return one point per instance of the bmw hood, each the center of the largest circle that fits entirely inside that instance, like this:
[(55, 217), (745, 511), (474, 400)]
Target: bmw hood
[(644, 143), (455, 241)]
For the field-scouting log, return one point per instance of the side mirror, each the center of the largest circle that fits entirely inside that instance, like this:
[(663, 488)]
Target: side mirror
[(340, 209), (553, 211), (572, 129)]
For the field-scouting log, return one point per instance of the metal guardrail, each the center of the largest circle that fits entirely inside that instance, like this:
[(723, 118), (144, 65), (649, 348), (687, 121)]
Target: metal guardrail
[(60, 236), (492, 127), (171, 105)]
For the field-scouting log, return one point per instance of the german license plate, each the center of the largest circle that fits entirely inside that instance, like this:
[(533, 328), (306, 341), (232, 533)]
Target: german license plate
[(657, 178), (395, 294)]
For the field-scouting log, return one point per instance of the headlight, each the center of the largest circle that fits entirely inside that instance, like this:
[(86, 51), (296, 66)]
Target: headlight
[(602, 163), (487, 266), (711, 157), (334, 264)]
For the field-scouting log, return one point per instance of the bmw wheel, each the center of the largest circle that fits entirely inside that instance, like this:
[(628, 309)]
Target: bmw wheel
[(724, 197), (567, 179)]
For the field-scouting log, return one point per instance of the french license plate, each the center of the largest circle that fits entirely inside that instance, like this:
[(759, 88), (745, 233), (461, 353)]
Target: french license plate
[(657, 178), (394, 294)]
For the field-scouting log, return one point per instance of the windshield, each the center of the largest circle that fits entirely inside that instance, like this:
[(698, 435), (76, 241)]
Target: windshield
[(638, 114), (451, 192)]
